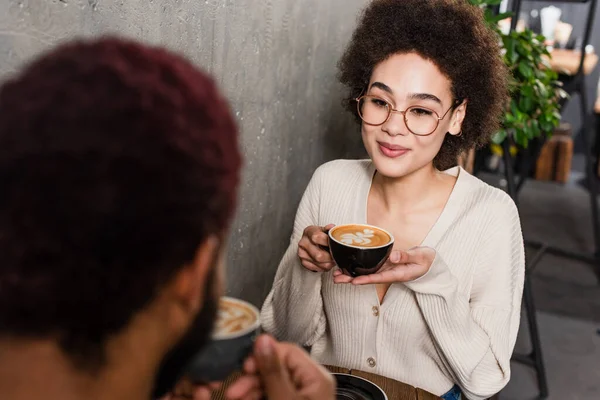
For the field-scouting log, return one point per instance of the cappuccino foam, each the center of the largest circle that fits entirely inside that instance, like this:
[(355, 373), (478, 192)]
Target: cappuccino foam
[(233, 317), (361, 236)]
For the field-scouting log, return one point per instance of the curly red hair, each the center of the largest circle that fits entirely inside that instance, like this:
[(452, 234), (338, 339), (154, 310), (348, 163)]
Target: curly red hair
[(116, 161)]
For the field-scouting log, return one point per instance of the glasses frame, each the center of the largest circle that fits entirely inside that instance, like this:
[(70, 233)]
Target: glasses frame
[(392, 110)]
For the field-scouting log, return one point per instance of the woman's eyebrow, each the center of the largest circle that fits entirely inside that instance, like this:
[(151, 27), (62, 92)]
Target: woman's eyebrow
[(411, 96), (424, 96)]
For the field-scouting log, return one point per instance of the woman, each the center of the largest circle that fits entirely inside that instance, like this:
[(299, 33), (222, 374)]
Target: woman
[(426, 81)]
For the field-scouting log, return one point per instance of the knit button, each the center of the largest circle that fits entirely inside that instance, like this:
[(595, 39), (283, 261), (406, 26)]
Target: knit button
[(371, 362), (375, 311)]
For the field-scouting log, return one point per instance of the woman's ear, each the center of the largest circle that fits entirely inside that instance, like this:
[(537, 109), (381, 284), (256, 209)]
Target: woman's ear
[(458, 116)]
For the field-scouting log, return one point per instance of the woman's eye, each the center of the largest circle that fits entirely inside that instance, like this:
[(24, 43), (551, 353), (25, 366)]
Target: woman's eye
[(420, 112), (379, 103)]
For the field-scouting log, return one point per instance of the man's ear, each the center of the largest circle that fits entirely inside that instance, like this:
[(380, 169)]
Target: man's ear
[(190, 282), (458, 116)]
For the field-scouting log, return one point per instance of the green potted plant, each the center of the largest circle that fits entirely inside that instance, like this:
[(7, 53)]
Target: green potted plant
[(535, 89)]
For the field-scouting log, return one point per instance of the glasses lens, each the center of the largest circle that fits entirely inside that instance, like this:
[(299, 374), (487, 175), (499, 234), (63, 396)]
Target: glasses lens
[(421, 121), (373, 110)]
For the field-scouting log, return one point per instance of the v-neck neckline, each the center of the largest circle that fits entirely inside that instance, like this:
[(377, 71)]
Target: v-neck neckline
[(437, 230)]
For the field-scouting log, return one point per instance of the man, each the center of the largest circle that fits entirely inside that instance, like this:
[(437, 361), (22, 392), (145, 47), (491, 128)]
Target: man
[(119, 168)]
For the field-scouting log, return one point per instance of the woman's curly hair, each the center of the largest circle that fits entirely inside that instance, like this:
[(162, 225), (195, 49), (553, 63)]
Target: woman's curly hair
[(451, 33)]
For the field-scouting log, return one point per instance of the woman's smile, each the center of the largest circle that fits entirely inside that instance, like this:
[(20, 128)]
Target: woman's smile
[(392, 150)]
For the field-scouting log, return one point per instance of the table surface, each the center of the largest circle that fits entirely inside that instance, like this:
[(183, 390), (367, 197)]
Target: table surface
[(566, 61), (395, 390)]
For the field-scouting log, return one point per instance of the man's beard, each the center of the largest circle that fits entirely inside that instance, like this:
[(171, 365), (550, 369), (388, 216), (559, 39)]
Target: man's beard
[(172, 365)]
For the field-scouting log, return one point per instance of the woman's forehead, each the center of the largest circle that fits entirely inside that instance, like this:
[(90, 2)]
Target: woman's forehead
[(408, 74)]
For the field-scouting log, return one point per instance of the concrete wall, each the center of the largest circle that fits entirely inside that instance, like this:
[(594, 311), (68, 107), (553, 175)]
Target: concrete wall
[(275, 60)]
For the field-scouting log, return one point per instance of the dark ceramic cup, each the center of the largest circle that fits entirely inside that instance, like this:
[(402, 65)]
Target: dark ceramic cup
[(351, 387), (226, 352), (361, 250)]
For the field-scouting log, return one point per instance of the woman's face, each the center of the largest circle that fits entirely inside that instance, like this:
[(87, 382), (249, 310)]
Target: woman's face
[(403, 81)]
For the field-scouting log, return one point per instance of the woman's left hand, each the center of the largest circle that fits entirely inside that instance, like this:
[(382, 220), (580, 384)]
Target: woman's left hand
[(401, 266)]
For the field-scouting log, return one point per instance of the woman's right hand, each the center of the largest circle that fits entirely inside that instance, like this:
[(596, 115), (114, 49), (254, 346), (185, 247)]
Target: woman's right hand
[(313, 249)]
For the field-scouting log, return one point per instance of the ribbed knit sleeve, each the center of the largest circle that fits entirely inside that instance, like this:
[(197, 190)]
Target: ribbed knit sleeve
[(293, 310), (476, 335)]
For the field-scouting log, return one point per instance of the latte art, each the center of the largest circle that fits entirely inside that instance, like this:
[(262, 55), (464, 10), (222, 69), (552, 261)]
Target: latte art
[(233, 317), (361, 236)]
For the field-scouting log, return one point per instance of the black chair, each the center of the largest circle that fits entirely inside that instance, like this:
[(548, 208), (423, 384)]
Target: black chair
[(574, 84)]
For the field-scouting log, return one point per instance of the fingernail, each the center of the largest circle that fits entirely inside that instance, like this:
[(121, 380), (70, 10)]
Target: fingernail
[(395, 256), (265, 346)]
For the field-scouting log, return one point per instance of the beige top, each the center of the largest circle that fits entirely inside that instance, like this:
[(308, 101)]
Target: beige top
[(456, 324)]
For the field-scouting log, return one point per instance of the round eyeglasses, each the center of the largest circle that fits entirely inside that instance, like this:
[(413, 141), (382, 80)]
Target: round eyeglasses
[(420, 121)]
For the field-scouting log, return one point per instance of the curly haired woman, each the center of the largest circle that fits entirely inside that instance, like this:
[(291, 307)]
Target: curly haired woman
[(426, 81)]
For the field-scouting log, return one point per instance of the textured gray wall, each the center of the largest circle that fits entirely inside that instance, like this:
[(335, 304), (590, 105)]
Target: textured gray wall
[(275, 60)]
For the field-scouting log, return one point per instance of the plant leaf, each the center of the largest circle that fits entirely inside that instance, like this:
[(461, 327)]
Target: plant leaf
[(499, 136)]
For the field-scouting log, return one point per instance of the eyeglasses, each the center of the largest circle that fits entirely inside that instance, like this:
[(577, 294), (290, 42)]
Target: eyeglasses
[(420, 121)]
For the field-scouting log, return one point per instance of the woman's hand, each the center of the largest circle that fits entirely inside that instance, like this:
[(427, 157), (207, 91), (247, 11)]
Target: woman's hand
[(401, 266), (312, 249)]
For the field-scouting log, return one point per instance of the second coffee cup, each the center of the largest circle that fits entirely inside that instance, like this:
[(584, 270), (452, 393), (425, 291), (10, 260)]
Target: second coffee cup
[(360, 249), (237, 326)]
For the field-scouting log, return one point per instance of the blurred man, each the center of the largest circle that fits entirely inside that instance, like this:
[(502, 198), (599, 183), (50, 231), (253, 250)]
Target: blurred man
[(119, 168)]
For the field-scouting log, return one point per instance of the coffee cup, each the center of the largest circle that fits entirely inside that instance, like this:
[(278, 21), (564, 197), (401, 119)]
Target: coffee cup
[(232, 341), (360, 249)]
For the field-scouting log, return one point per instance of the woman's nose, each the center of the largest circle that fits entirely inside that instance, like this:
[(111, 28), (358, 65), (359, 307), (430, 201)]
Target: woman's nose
[(395, 125)]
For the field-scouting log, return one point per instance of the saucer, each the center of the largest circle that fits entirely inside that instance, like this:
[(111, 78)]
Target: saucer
[(350, 387)]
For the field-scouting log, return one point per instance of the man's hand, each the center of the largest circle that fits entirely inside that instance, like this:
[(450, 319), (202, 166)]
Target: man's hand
[(277, 371), (286, 372), (186, 390)]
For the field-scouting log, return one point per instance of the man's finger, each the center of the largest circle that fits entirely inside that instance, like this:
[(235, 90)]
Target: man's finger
[(309, 377), (202, 393), (243, 388), (276, 379), (250, 366)]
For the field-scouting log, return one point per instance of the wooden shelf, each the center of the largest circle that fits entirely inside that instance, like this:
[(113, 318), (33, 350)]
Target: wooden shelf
[(566, 62)]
